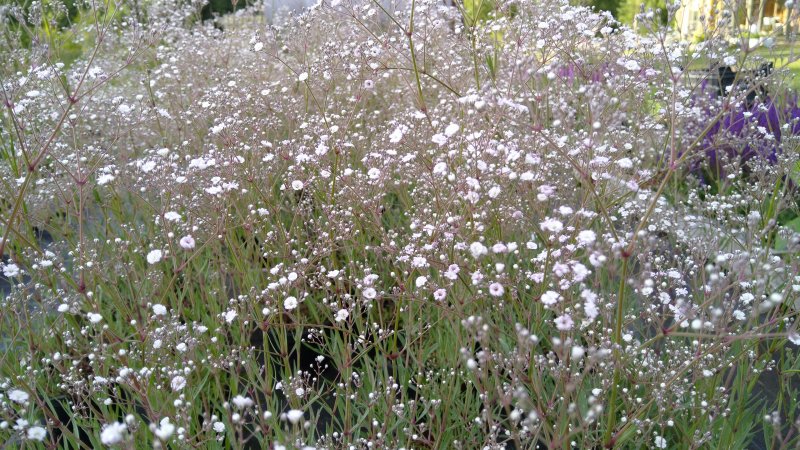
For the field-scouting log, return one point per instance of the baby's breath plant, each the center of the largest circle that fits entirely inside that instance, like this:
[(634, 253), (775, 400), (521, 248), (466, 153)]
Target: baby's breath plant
[(374, 224)]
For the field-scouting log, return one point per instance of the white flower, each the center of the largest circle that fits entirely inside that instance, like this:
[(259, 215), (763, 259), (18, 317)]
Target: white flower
[(370, 293), (113, 433), (342, 315), (10, 270), (421, 281), (302, 77), (178, 383), (440, 168), (95, 318), (148, 166), (105, 179), (587, 237), (496, 289), (374, 173), (36, 433), (397, 134), (550, 298), (258, 46), (18, 396), (564, 322), (625, 163), (187, 242), (439, 139), (451, 129), (154, 256), (551, 225), (159, 309), (294, 415), (230, 315), (477, 249), (297, 185), (172, 216), (164, 430), (290, 303), (219, 427), (241, 402), (660, 442)]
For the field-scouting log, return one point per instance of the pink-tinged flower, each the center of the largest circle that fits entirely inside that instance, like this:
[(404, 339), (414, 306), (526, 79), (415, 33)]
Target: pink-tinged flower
[(187, 242), (564, 322), (496, 289)]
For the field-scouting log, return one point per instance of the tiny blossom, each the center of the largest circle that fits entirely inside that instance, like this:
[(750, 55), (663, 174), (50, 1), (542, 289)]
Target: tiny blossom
[(290, 303), (187, 242), (242, 402), (154, 256), (550, 298), (164, 430), (36, 433), (439, 295), (258, 46), (451, 129), (551, 225), (178, 383), (660, 442), (302, 77), (95, 318), (113, 433), (294, 415), (587, 237), (219, 427), (297, 185), (18, 396), (159, 309), (11, 270), (439, 139), (342, 315), (370, 293), (421, 281), (477, 249), (440, 168), (496, 289), (374, 173), (172, 216), (563, 322)]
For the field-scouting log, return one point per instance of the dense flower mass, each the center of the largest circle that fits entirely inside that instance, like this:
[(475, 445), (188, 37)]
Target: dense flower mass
[(380, 225)]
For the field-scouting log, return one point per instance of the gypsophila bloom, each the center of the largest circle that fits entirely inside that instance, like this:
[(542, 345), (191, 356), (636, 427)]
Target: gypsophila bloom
[(219, 427), (421, 281), (95, 318), (113, 433), (159, 309), (342, 315), (660, 442), (164, 430), (36, 433), (477, 249), (187, 242), (154, 256), (496, 289), (297, 185), (242, 402), (11, 270), (294, 416), (369, 293), (290, 303), (564, 322), (550, 298), (178, 383), (18, 396), (302, 77), (551, 225), (587, 237), (172, 216), (439, 294)]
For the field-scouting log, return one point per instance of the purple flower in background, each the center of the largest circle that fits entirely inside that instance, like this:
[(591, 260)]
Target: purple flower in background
[(745, 131)]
